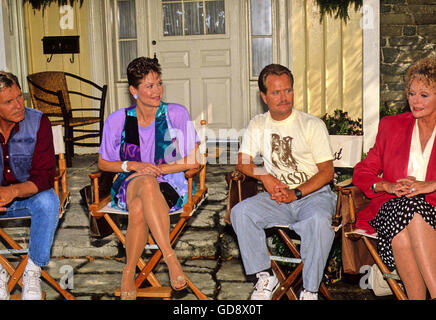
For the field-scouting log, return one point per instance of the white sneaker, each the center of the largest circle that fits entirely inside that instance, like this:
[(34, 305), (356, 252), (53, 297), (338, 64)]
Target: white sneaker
[(4, 277), (265, 286), (307, 295), (31, 285)]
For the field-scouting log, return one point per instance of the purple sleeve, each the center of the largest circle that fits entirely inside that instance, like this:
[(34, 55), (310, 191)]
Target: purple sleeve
[(184, 127), (111, 138)]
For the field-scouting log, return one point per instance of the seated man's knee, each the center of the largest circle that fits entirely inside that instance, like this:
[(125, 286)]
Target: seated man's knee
[(321, 224), (237, 212), (46, 201), (45, 206)]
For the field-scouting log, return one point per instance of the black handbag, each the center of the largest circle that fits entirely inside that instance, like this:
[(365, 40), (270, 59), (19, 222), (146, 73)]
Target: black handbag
[(98, 227)]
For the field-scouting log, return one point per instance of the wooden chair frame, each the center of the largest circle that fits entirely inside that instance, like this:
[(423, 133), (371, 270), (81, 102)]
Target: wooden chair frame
[(16, 273), (98, 210), (288, 283), (352, 233), (50, 94)]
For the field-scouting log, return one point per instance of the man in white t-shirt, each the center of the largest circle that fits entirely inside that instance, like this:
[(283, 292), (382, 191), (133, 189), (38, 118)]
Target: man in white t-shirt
[(298, 166)]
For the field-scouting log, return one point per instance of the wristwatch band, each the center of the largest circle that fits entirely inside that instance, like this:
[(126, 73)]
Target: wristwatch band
[(124, 166), (298, 193)]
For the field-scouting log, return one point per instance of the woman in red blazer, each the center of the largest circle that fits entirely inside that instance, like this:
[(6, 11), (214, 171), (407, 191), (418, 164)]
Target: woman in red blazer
[(399, 176)]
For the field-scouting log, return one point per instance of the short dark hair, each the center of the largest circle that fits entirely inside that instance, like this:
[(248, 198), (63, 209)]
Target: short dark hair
[(139, 68), (275, 69), (7, 80)]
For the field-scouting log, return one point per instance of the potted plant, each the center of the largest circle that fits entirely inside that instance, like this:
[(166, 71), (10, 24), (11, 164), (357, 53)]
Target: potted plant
[(345, 137)]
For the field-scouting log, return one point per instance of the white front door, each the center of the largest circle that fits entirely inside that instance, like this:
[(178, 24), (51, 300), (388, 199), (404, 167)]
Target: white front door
[(197, 44), (211, 52)]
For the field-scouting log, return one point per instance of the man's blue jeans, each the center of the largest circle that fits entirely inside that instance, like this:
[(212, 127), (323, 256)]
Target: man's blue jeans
[(43, 208), (310, 217)]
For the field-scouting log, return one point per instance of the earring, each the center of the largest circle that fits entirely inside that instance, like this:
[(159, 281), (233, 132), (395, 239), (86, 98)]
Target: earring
[(135, 96)]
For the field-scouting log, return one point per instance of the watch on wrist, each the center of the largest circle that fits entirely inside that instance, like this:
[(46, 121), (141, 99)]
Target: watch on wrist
[(124, 166), (298, 193), (373, 187)]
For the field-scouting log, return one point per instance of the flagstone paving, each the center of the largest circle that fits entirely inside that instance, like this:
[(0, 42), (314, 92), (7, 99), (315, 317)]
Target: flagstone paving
[(208, 249)]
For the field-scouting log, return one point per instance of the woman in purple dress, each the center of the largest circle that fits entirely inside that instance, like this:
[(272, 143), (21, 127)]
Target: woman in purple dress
[(150, 144)]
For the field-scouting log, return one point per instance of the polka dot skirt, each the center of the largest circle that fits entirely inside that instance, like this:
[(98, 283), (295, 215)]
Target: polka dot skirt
[(393, 217)]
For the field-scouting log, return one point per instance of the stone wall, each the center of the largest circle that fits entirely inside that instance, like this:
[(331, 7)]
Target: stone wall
[(408, 33)]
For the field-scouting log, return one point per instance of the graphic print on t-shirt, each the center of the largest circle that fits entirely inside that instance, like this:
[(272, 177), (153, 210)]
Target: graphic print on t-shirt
[(283, 162)]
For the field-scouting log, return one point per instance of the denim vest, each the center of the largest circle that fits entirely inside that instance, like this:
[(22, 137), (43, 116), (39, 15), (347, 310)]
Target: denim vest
[(21, 146)]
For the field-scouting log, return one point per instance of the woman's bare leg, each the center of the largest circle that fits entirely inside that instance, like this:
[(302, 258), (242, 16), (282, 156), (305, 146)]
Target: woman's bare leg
[(423, 238), (136, 238), (156, 214), (407, 267), (415, 256)]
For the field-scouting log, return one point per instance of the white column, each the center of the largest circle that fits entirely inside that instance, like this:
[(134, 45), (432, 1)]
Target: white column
[(2, 38), (371, 71)]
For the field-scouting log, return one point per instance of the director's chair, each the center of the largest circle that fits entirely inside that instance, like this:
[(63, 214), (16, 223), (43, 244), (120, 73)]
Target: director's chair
[(61, 189), (350, 201), (101, 208), (242, 187)]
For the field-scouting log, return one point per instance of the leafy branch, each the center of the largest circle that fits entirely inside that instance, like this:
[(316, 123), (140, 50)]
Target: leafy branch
[(337, 8), (340, 123), (42, 4)]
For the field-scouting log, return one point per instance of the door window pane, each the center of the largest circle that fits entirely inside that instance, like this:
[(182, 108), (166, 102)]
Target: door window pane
[(172, 19), (261, 17), (215, 18), (193, 17), (128, 52), (126, 19), (261, 54), (260, 35), (127, 35)]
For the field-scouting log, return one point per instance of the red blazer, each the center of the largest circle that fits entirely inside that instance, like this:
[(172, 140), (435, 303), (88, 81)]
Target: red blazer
[(388, 158)]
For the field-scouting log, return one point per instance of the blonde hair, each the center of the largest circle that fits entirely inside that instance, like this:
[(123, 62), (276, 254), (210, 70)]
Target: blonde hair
[(423, 70)]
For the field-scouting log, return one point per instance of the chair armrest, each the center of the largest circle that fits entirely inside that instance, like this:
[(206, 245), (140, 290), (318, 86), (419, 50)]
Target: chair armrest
[(59, 174), (192, 172), (101, 183), (95, 175), (237, 176)]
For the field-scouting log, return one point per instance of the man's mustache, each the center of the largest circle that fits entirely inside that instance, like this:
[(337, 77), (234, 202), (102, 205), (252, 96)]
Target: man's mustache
[(283, 103)]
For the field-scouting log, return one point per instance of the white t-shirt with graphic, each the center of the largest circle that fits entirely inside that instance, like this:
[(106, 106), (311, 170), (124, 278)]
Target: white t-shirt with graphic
[(290, 148)]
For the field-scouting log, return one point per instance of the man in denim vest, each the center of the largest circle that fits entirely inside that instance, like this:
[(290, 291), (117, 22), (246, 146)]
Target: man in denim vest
[(27, 169)]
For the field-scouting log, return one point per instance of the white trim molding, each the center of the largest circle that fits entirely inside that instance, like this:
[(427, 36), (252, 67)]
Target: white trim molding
[(13, 41), (3, 29), (370, 24)]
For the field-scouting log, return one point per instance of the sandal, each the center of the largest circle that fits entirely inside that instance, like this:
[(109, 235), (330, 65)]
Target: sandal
[(128, 295), (180, 282)]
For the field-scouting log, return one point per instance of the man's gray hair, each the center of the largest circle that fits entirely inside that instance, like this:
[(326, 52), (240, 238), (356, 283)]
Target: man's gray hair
[(7, 80)]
